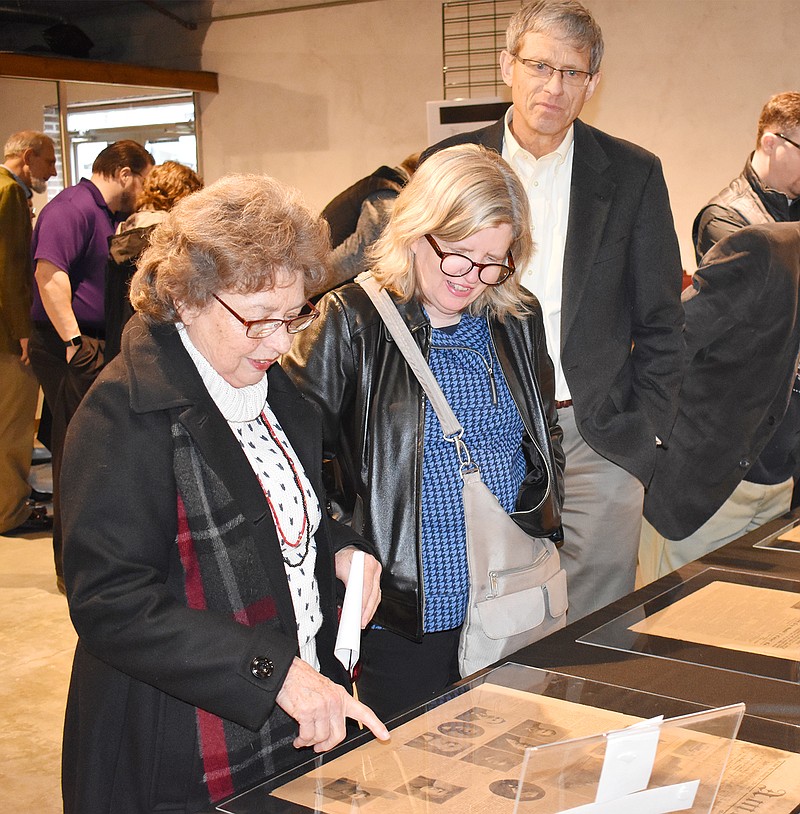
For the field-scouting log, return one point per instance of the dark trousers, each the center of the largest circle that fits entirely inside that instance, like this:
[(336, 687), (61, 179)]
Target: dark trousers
[(398, 674), (64, 387)]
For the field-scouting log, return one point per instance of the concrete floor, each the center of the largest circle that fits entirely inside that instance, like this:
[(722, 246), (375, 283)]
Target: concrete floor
[(36, 646)]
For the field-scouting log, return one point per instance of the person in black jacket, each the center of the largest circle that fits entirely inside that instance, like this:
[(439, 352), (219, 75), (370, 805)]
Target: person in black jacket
[(447, 258), (607, 272), (358, 215), (768, 190), (736, 441), (199, 561), (166, 184)]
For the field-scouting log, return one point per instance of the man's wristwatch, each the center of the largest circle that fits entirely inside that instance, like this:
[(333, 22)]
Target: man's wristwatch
[(75, 342)]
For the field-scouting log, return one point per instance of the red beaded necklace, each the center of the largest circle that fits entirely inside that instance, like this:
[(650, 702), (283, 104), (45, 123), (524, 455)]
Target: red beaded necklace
[(304, 529)]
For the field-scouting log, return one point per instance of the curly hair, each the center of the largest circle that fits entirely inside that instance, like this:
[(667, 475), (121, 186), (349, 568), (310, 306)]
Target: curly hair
[(166, 184), (455, 193), (239, 234)]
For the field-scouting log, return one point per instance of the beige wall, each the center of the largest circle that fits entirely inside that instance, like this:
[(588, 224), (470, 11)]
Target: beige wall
[(22, 104), (319, 98)]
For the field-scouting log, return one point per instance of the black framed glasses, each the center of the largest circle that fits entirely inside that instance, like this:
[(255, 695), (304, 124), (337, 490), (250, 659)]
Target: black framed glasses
[(259, 328), (786, 138), (541, 70), (458, 265)]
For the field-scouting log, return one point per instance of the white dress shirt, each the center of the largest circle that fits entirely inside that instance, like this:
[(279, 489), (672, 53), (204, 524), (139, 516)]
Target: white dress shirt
[(547, 183)]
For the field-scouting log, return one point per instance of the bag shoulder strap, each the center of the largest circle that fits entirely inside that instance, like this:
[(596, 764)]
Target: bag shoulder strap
[(410, 350)]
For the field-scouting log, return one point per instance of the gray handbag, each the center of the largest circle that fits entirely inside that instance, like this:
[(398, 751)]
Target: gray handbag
[(517, 587)]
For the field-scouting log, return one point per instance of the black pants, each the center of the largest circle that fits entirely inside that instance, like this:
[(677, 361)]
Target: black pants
[(64, 387), (398, 674)]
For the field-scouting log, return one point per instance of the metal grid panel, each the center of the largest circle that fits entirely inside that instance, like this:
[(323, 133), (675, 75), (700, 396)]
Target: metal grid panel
[(473, 34)]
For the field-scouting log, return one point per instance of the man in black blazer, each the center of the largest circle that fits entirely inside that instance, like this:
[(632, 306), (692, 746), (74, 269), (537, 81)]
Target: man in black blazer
[(607, 271), (734, 446)]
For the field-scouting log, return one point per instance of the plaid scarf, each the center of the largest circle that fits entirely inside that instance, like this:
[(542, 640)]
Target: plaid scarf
[(224, 573)]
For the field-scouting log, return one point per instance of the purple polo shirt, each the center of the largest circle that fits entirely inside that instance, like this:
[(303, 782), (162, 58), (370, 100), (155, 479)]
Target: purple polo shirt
[(72, 233)]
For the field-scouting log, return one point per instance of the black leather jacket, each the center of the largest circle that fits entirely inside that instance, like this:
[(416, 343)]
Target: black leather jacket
[(373, 423), (744, 202)]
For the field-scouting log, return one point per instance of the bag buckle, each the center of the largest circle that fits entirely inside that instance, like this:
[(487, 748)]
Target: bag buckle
[(465, 462)]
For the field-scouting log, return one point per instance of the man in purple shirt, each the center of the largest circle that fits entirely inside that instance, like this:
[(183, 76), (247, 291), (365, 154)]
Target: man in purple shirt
[(70, 250)]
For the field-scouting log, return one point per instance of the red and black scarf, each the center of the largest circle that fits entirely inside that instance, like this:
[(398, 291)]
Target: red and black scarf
[(225, 573)]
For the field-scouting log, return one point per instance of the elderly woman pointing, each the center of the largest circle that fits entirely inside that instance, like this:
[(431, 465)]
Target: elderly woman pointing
[(200, 565)]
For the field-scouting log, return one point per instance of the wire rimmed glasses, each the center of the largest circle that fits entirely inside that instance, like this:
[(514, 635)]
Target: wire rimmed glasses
[(459, 265), (786, 138), (541, 70), (259, 328)]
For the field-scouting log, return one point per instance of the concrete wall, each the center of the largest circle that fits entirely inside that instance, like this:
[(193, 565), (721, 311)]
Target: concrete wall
[(321, 97)]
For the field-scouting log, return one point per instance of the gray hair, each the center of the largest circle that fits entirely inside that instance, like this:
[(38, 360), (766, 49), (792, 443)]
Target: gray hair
[(18, 143), (239, 234), (567, 19)]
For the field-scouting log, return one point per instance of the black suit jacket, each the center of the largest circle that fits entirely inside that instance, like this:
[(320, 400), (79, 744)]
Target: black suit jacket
[(742, 338), (145, 661), (621, 321)]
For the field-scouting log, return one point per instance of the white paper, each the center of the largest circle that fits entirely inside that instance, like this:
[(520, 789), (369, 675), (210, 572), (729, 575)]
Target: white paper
[(348, 639), (663, 800), (629, 758)]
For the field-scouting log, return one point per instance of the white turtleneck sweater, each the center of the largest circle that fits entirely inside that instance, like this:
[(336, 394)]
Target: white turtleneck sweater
[(295, 508)]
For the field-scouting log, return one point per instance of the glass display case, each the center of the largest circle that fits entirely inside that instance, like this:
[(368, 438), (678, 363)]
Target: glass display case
[(519, 739)]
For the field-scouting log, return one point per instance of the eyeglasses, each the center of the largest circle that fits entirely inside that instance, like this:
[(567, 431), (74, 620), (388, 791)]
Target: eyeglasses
[(541, 70), (259, 328), (457, 265), (786, 138)]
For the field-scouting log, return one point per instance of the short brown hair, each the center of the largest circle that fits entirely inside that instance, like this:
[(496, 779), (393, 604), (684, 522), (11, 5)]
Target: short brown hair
[(166, 184), (125, 153), (567, 19), (780, 114), (238, 234)]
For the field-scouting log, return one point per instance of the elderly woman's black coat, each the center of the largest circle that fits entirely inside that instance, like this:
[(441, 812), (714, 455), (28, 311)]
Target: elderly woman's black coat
[(145, 661)]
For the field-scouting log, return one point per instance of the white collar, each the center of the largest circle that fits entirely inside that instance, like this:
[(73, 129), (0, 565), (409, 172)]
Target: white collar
[(236, 404), (513, 147)]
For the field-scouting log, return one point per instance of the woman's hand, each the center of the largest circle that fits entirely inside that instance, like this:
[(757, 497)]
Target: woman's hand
[(372, 580), (320, 707)]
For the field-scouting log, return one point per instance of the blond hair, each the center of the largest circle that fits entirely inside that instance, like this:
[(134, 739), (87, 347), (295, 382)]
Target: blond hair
[(455, 193)]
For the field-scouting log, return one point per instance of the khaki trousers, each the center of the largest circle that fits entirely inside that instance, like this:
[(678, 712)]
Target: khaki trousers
[(750, 506), (18, 395)]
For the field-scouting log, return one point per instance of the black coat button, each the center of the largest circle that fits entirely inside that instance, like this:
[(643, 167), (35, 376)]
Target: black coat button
[(261, 667), (744, 463)]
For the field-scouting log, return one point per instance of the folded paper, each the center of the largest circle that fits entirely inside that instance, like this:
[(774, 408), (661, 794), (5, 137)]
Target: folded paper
[(348, 639)]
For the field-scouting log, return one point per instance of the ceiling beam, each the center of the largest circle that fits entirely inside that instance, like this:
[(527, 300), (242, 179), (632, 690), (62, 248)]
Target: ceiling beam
[(27, 66)]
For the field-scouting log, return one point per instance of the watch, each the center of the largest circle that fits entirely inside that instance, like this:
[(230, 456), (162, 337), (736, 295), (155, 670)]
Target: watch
[(75, 342)]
